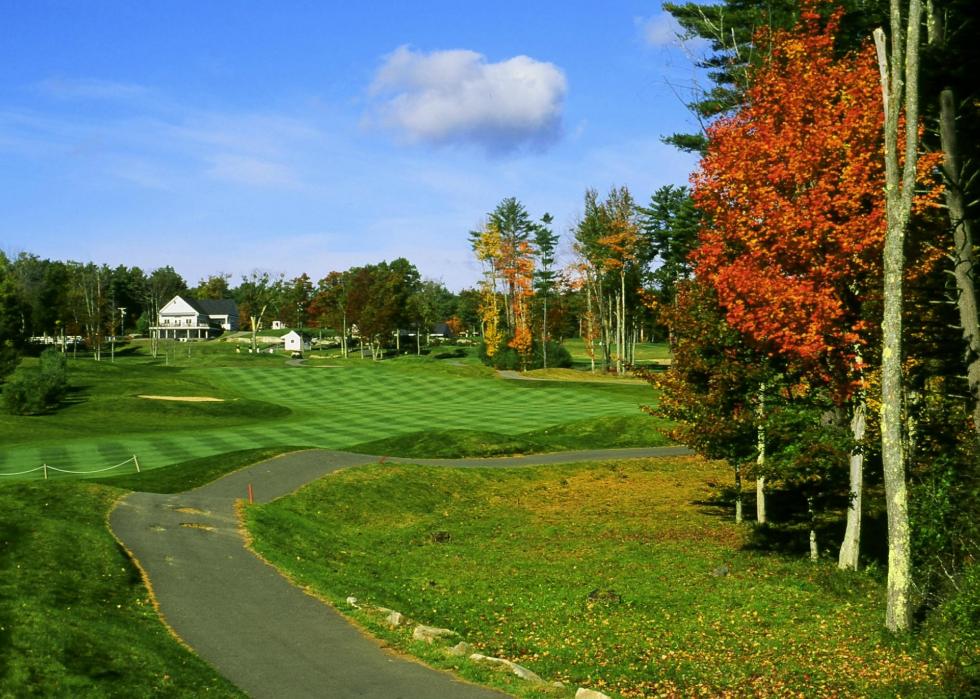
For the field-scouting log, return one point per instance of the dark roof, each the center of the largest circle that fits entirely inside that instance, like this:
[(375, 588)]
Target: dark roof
[(192, 302), (442, 329), (216, 307)]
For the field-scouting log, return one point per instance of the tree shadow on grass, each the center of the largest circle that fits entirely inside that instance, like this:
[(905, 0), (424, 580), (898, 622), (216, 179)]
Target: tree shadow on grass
[(74, 395), (787, 529)]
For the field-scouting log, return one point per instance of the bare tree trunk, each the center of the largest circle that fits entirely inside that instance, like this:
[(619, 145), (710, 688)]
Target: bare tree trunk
[(591, 347), (544, 334), (738, 492), (636, 336), (966, 298), (92, 296), (154, 336), (604, 306), (814, 549), (898, 73), (760, 459), (850, 549), (964, 258)]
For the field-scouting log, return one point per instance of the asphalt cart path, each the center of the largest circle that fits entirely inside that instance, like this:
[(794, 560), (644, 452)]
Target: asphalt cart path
[(255, 627)]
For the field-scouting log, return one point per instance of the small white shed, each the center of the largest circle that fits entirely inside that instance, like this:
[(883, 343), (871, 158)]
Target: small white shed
[(294, 342)]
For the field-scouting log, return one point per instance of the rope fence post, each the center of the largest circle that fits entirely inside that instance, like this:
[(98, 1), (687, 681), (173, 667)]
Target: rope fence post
[(45, 469)]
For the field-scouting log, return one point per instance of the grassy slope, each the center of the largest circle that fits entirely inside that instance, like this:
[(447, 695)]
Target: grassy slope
[(270, 404), (611, 432), (191, 474), (75, 618), (597, 575)]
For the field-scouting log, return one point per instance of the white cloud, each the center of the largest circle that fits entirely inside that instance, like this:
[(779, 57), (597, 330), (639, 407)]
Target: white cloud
[(661, 30), (254, 172), (459, 97), (267, 135)]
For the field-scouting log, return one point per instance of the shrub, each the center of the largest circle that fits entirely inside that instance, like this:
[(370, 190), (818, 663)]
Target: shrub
[(8, 358), (33, 391), (558, 356), (507, 357), (954, 631)]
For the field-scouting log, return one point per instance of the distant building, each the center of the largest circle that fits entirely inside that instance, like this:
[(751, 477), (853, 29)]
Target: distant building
[(294, 342), (442, 330), (192, 319), (278, 325)]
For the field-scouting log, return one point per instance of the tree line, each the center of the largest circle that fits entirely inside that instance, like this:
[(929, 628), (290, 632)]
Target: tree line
[(601, 295)]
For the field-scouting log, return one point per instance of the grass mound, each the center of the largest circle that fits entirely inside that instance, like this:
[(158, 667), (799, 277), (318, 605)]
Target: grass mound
[(193, 473), (601, 575), (594, 433), (217, 412), (75, 617), (613, 432), (447, 444)]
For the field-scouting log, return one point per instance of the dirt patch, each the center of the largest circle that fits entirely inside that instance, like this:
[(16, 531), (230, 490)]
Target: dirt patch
[(188, 399)]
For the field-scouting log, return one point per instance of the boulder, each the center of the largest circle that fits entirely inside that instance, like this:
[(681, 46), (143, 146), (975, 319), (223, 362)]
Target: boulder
[(460, 649), (430, 634), (518, 670), (352, 601), (584, 693), (395, 619)]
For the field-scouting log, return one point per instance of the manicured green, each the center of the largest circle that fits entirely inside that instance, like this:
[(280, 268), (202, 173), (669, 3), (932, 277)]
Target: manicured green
[(329, 402), (75, 617), (618, 577)]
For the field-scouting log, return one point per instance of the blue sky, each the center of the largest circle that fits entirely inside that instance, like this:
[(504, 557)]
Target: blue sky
[(222, 137)]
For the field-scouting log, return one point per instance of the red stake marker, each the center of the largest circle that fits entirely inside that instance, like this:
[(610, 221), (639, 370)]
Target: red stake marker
[(251, 499)]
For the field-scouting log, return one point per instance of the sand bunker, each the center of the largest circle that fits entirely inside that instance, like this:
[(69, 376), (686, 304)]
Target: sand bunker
[(188, 399)]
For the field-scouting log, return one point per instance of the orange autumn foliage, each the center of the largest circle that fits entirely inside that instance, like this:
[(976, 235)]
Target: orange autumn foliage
[(519, 276), (792, 188)]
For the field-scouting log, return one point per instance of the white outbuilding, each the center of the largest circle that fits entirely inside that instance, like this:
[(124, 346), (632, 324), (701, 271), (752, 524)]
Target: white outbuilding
[(294, 342)]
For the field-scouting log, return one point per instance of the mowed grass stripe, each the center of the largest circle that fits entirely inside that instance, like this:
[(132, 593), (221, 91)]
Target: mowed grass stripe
[(215, 441), (52, 455), (337, 408)]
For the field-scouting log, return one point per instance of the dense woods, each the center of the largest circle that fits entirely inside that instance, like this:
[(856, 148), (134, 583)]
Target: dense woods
[(825, 343)]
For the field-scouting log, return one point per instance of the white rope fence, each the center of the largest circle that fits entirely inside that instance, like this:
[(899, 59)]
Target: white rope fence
[(45, 468)]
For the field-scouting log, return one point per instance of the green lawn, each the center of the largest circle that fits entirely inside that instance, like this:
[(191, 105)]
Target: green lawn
[(75, 618), (646, 352), (597, 575), (328, 403)]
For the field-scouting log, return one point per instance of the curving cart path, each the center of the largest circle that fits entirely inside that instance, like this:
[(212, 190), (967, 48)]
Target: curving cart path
[(260, 631)]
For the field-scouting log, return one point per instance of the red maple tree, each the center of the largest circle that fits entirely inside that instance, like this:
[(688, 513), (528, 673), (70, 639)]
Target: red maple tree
[(791, 187)]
